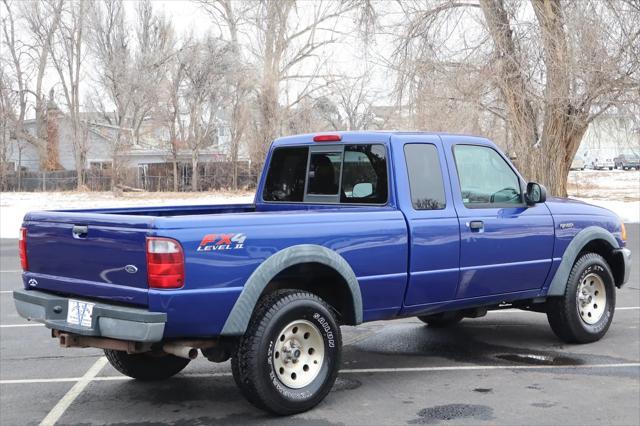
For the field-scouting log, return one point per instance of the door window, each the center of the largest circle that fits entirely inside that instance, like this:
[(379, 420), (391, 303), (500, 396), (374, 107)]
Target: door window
[(486, 180)]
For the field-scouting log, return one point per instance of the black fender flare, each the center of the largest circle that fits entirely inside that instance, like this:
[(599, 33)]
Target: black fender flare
[(582, 238), (240, 315)]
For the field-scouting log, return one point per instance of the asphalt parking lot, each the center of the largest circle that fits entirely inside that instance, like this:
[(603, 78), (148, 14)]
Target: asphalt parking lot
[(505, 368)]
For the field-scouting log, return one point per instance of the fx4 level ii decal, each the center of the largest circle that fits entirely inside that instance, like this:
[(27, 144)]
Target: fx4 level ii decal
[(212, 242)]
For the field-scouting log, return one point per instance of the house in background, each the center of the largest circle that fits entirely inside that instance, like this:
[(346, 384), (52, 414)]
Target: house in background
[(22, 155), (149, 156)]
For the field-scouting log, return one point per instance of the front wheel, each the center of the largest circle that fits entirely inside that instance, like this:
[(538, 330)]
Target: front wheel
[(288, 359), (584, 313)]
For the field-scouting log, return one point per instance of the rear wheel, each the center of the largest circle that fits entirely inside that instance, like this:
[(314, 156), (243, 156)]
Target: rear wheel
[(146, 366), (585, 312), (288, 359), (444, 319)]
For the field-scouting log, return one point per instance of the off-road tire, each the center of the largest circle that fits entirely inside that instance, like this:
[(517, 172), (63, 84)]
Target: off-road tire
[(146, 366), (563, 313), (444, 319), (253, 365)]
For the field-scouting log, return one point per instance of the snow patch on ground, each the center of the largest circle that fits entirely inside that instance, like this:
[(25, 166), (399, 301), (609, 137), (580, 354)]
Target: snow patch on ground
[(14, 205), (615, 190), (627, 211), (614, 185)]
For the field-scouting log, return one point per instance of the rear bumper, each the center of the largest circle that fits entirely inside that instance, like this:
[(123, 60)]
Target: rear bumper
[(112, 321), (623, 257)]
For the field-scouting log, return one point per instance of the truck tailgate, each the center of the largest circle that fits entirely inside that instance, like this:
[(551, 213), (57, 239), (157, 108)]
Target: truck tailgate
[(74, 255)]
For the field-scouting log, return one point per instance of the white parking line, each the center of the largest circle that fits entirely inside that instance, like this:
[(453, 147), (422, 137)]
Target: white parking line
[(6, 291), (350, 371), (62, 405), (515, 311), (10, 270), (26, 381), (20, 325), (489, 367)]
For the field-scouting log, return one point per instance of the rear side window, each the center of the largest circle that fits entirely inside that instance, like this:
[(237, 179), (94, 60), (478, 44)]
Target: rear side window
[(285, 180), (486, 180), (349, 174), (425, 177), (364, 177)]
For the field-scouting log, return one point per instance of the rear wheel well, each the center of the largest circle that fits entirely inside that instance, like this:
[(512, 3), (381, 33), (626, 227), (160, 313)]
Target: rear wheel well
[(605, 249), (321, 280)]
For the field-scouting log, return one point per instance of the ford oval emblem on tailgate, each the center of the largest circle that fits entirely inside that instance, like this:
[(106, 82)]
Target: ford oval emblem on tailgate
[(132, 269)]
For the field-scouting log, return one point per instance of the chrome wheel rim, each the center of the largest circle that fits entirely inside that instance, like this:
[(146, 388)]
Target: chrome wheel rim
[(591, 298), (298, 354)]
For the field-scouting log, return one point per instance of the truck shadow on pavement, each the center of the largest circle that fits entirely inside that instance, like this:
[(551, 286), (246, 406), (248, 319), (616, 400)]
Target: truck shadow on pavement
[(414, 345), (191, 400)]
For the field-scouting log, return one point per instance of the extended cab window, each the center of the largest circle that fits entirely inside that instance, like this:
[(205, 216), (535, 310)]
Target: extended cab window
[(353, 174), (486, 180), (425, 177)]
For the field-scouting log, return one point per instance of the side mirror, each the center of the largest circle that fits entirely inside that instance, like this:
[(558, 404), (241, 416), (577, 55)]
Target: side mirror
[(536, 193)]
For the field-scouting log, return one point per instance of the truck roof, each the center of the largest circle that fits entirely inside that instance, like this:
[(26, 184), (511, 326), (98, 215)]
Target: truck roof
[(382, 136)]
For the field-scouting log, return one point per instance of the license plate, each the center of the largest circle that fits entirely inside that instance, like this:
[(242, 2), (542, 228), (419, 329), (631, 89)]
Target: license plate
[(80, 313)]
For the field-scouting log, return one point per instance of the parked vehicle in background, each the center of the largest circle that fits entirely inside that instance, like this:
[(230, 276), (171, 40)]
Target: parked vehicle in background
[(627, 162), (345, 228), (603, 164), (577, 164)]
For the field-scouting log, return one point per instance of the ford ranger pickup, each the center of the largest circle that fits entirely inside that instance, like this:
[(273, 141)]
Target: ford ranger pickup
[(345, 228)]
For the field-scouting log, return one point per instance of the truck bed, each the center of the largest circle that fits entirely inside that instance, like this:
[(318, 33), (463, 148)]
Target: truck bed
[(94, 265)]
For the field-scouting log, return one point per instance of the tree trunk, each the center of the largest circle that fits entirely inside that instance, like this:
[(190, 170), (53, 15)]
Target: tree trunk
[(546, 157), (195, 176), (175, 175)]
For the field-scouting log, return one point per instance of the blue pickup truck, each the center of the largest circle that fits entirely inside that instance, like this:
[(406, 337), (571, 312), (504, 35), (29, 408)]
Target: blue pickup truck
[(345, 228)]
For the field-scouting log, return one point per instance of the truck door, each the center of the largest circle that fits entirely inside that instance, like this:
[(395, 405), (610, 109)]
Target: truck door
[(505, 245), (432, 222)]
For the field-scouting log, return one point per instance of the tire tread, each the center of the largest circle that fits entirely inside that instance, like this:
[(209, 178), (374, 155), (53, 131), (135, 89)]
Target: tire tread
[(249, 344)]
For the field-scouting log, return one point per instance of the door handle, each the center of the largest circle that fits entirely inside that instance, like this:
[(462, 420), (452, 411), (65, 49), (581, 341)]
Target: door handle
[(476, 225), (80, 231)]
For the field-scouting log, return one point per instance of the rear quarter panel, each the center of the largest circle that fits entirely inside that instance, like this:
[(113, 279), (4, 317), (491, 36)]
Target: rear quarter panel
[(372, 240)]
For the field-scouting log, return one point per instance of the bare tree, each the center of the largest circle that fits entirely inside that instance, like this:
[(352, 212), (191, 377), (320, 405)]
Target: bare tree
[(588, 62), (122, 55), (354, 98), (286, 45), (43, 19), (172, 113), (241, 76), (68, 55), (27, 59), (203, 93)]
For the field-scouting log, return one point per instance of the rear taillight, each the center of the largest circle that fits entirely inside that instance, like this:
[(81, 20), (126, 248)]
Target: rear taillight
[(165, 263), (22, 248)]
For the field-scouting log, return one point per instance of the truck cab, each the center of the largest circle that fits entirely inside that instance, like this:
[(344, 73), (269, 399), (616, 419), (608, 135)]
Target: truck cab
[(345, 228)]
